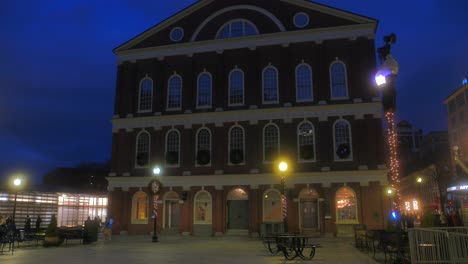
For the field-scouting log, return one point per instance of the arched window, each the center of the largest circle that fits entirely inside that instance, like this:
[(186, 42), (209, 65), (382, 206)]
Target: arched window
[(338, 80), (271, 142), (202, 208), (237, 28), (342, 140), (236, 87), (270, 85), (306, 141), (142, 149), (204, 90), (272, 209), (145, 100), (174, 93), (346, 206), (172, 147), (304, 85), (203, 147), (140, 208), (236, 145)]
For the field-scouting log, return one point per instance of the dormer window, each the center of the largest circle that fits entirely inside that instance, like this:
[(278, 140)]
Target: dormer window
[(237, 28)]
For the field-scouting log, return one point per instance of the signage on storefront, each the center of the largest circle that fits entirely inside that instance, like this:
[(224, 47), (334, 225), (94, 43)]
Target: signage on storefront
[(458, 188)]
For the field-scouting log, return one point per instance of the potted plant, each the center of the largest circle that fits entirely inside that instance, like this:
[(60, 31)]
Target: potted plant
[(52, 234)]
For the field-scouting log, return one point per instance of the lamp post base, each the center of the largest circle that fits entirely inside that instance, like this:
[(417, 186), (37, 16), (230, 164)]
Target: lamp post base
[(155, 239)]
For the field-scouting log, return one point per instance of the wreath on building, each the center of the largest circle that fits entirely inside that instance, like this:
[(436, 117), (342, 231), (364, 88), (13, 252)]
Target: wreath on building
[(172, 157), (203, 157), (343, 151), (236, 156), (142, 159), (155, 187), (307, 152)]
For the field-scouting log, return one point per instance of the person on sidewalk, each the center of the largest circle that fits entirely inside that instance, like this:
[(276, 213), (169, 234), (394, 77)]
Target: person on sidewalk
[(108, 228)]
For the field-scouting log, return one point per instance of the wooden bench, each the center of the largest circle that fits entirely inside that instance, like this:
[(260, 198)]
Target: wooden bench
[(71, 234)]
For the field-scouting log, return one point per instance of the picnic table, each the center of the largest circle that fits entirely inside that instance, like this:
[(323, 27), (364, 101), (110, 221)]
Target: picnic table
[(292, 245)]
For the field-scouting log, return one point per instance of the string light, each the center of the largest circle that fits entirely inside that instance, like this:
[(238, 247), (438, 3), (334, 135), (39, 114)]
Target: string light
[(394, 165)]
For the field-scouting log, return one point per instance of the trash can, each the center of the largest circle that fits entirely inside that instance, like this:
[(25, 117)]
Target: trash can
[(21, 235)]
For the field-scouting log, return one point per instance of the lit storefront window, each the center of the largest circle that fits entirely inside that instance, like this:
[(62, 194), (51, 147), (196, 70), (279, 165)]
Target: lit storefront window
[(202, 208), (140, 208), (346, 206), (272, 210)]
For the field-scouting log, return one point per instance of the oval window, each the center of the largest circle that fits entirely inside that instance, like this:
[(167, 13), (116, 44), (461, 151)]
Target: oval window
[(301, 20), (177, 34)]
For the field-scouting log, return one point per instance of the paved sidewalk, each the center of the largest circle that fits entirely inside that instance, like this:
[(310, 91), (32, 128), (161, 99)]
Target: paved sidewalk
[(140, 249)]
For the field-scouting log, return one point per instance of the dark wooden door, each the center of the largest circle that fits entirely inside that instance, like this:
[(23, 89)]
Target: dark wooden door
[(309, 214), (238, 212)]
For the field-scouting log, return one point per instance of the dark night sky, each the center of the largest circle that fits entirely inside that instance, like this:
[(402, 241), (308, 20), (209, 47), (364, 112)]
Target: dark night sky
[(57, 70)]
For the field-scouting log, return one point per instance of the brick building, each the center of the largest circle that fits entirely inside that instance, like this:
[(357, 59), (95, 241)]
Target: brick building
[(218, 92)]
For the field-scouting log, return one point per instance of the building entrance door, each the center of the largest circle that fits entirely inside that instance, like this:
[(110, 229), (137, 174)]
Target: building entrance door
[(309, 212), (172, 214), (238, 214)]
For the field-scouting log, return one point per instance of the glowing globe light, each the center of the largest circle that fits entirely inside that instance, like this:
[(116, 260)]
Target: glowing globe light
[(17, 182), (283, 166), (380, 79), (156, 170)]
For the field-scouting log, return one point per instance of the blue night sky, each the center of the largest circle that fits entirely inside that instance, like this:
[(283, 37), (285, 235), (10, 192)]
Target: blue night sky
[(57, 70)]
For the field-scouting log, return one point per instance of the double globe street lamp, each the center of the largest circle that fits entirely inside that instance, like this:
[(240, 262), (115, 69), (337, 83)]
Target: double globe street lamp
[(155, 187)]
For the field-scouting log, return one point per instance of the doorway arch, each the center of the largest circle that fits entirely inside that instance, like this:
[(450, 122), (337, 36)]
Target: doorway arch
[(237, 209)]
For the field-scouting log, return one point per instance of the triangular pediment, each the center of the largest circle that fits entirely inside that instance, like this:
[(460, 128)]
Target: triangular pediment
[(201, 20)]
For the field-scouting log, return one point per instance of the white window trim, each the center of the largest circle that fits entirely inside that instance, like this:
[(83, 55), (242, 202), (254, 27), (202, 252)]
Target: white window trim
[(149, 149), (306, 24), (311, 82), (357, 208), (196, 147), (243, 87), (236, 20), (195, 209), (299, 160), (337, 61), (139, 95), (263, 85), (134, 220), (211, 90), (263, 141), (174, 29), (175, 75), (178, 150), (335, 157), (263, 203), (229, 145)]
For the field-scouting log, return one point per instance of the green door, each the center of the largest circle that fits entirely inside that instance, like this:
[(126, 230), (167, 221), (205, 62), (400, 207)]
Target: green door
[(238, 214)]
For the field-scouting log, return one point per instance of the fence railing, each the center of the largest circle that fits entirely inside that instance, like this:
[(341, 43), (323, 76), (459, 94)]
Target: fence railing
[(439, 245)]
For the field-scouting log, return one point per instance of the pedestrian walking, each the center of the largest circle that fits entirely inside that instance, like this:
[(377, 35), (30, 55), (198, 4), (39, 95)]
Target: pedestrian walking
[(108, 228), (27, 225), (38, 223)]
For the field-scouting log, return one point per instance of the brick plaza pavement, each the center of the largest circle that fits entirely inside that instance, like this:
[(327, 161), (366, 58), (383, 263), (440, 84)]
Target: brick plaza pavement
[(193, 250)]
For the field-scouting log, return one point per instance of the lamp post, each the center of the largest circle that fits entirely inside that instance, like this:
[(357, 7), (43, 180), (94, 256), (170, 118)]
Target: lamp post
[(17, 182), (385, 78), (155, 188), (283, 168)]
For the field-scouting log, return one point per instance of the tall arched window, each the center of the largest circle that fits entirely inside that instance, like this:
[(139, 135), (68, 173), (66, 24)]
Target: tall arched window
[(236, 145), (342, 140), (174, 92), (346, 206), (338, 80), (142, 149), (203, 146), (204, 90), (304, 85), (140, 208), (271, 142), (237, 28), (172, 148), (145, 100), (270, 85), (202, 208), (272, 209), (236, 87), (306, 141)]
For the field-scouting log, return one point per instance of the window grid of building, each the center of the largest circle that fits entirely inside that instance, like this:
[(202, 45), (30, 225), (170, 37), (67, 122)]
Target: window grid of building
[(338, 80), (304, 83), (236, 141), (175, 92), (146, 95), (306, 138), (203, 140), (204, 90), (270, 142), (143, 147), (236, 87), (270, 85), (237, 28)]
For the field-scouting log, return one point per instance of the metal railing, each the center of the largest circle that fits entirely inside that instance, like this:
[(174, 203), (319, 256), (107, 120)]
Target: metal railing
[(439, 245)]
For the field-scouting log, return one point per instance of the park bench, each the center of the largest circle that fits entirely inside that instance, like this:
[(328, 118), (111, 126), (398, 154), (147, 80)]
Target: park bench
[(71, 233)]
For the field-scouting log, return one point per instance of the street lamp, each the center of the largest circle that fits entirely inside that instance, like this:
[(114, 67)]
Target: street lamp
[(17, 182), (155, 188), (385, 77), (283, 168)]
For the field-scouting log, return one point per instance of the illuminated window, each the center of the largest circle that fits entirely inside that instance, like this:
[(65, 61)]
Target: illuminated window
[(140, 208), (271, 142), (202, 208), (237, 28), (306, 141), (346, 206), (236, 145), (342, 141), (272, 209), (145, 95), (304, 87), (142, 149), (236, 87), (270, 85), (174, 94), (338, 80), (204, 90)]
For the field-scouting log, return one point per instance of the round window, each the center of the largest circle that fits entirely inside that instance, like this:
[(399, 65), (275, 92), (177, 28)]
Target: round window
[(177, 34), (301, 20)]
